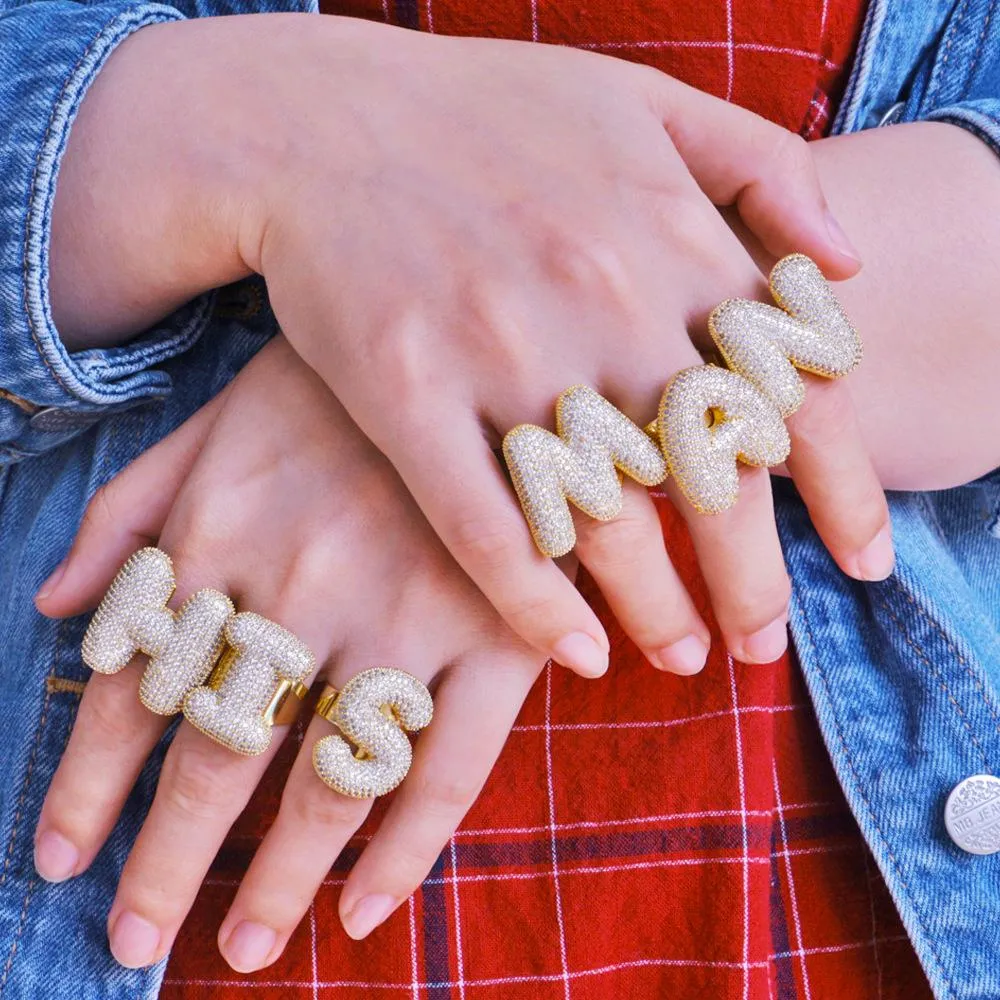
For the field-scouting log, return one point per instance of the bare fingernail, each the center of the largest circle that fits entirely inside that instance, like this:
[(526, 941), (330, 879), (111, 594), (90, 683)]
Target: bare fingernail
[(55, 857), (766, 644), (686, 656), (248, 946), (839, 238), (134, 940), (582, 653), (878, 558), (48, 588), (367, 913)]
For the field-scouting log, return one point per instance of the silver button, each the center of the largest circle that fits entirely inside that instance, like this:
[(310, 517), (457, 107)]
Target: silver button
[(972, 814)]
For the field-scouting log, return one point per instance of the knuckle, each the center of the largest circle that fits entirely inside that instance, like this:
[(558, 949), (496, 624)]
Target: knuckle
[(750, 613), (486, 540), (789, 152), (311, 804), (447, 795), (110, 708), (826, 418), (198, 783), (613, 545)]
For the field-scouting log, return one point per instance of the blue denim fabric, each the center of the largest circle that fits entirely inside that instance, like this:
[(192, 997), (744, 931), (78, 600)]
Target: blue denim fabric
[(904, 674)]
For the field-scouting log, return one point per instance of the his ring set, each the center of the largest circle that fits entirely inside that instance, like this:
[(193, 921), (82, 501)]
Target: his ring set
[(236, 675)]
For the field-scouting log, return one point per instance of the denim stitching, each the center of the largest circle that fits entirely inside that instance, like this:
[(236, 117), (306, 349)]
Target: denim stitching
[(64, 685), (26, 262), (60, 636), (859, 787), (99, 39), (949, 642), (919, 653), (945, 55), (979, 50), (22, 922)]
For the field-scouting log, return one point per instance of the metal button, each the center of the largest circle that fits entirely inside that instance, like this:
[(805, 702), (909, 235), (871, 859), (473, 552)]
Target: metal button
[(56, 420), (972, 814), (892, 115)]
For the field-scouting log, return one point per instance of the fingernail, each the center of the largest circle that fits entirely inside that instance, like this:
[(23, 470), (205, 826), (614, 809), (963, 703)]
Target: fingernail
[(48, 588), (55, 857), (134, 941), (582, 653), (839, 238), (767, 644), (248, 946), (877, 559), (367, 914), (686, 656)]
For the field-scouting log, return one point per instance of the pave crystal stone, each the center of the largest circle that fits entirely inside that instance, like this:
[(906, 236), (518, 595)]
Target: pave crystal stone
[(226, 699), (372, 711), (261, 653), (709, 419), (580, 463), (810, 331), (134, 618)]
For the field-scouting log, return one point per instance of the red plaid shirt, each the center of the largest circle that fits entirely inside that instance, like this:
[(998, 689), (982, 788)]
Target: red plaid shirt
[(642, 835)]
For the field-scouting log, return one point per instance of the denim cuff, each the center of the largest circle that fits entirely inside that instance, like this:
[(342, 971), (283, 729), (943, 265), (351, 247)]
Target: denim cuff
[(981, 117), (50, 53)]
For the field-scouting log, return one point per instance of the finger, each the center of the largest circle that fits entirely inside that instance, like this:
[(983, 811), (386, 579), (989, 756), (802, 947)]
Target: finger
[(475, 707), (203, 788), (124, 515), (313, 825), (834, 475), (112, 736), (764, 170), (628, 560), (472, 508), (742, 563)]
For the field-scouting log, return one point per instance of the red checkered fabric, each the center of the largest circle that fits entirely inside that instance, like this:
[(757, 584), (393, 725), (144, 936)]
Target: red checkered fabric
[(642, 835)]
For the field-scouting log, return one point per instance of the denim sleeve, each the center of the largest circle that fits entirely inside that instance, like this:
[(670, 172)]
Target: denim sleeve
[(50, 53), (960, 84)]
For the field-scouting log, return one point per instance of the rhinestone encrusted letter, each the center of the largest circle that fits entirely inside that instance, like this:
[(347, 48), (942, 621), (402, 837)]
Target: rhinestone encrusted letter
[(261, 654), (372, 711), (579, 464), (810, 331), (709, 418), (134, 618)]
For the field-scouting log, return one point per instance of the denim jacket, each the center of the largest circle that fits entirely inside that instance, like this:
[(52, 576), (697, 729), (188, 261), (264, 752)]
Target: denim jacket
[(904, 674)]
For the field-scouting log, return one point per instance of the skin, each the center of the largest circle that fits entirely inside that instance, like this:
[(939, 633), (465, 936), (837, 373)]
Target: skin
[(918, 394), (471, 272)]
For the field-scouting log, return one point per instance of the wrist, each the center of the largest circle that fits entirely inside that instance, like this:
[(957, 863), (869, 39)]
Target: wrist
[(145, 214)]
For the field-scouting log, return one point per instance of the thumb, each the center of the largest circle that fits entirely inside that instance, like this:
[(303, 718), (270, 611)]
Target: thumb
[(125, 514), (738, 158)]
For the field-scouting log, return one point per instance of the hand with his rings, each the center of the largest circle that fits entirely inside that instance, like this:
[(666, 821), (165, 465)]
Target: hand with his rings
[(323, 539), (453, 231)]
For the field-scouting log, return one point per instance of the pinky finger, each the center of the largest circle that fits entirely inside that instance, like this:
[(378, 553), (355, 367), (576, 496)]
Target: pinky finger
[(837, 481)]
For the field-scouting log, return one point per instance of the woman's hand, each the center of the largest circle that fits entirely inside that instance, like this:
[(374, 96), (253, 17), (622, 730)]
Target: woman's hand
[(453, 231), (271, 495)]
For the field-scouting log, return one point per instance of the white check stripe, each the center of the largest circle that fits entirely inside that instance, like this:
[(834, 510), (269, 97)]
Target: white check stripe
[(796, 920), (730, 51), (552, 828), (312, 941), (871, 905), (458, 924), (741, 780), (722, 713), (637, 963), (779, 50), (414, 970)]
